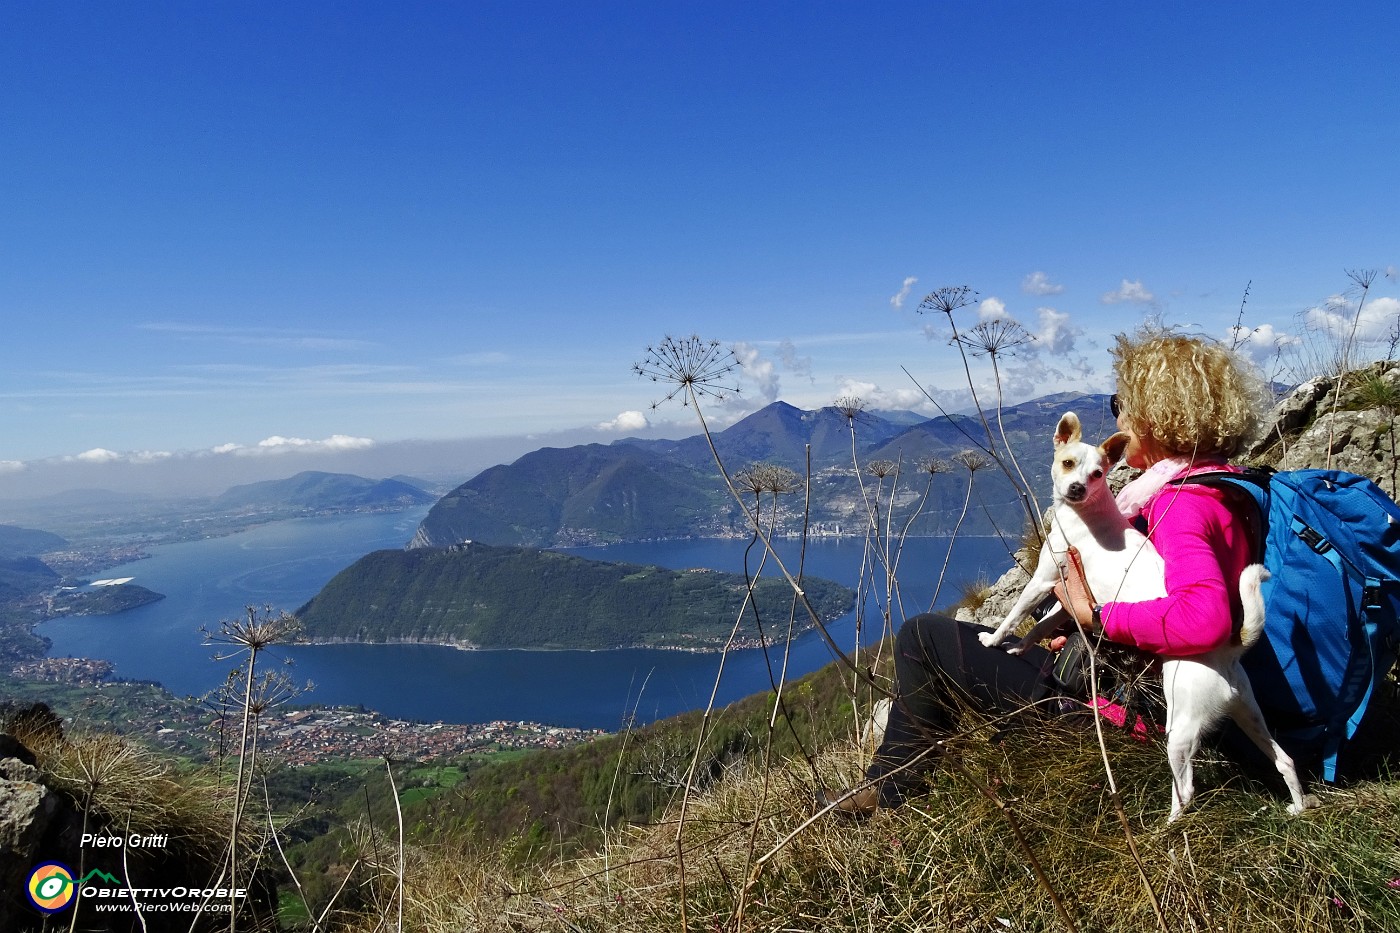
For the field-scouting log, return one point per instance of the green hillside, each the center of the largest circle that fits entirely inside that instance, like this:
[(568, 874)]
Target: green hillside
[(511, 597)]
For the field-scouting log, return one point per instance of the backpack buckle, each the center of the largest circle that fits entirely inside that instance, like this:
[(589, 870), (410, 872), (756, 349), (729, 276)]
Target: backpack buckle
[(1314, 540)]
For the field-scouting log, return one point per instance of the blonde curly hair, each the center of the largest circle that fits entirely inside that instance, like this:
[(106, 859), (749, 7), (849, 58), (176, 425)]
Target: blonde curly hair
[(1190, 395)]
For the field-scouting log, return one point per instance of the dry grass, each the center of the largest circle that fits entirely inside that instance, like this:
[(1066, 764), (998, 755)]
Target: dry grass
[(125, 788), (974, 594), (131, 789), (949, 861)]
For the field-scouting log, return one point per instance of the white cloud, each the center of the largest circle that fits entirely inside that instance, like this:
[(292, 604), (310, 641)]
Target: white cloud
[(897, 301), (98, 455), (1261, 344), (336, 442), (12, 466), (1038, 283), (1336, 317), (991, 307), (876, 397), (103, 455), (761, 372), (1055, 336), (626, 421), (1130, 292)]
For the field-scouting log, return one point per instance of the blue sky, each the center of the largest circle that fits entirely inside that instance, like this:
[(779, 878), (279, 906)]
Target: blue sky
[(313, 227)]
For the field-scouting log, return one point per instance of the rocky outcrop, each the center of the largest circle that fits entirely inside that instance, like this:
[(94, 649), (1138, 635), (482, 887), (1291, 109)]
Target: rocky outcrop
[(27, 810), (1353, 429), (998, 598)]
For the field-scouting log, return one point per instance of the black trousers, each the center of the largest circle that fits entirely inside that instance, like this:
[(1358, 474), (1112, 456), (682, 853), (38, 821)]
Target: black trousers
[(938, 665)]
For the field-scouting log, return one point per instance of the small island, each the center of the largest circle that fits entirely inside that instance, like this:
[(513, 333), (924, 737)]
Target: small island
[(101, 600), (483, 596)]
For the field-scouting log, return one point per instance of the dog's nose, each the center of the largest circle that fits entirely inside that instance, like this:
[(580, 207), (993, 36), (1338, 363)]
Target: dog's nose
[(1075, 492)]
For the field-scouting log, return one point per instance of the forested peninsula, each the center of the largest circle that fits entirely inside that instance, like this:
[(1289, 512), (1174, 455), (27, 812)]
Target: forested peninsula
[(484, 596)]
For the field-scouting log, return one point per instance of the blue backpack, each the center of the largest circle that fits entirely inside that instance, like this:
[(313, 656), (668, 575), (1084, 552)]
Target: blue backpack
[(1331, 540)]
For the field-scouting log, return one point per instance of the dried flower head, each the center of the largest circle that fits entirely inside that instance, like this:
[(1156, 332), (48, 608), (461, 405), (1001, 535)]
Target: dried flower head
[(933, 466), (268, 690), (779, 479), (750, 479), (273, 689), (994, 337), (971, 460), (1362, 278), (693, 367), (881, 468), (767, 477), (849, 407), (948, 299), (255, 631)]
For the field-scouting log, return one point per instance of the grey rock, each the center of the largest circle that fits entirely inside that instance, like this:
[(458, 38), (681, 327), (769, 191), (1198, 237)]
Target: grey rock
[(1361, 442), (27, 808), (1298, 408)]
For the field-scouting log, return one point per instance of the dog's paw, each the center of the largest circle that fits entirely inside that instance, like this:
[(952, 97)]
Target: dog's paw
[(1309, 802), (1018, 648), (988, 639)]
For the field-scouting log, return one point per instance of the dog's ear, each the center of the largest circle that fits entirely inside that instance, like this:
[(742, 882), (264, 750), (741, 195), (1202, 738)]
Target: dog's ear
[(1067, 432), (1113, 447)]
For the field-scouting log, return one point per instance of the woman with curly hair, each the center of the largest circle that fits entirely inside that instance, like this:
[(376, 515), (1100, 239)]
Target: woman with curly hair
[(1188, 405)]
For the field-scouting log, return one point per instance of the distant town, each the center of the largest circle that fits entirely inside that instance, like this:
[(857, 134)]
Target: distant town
[(307, 736), (296, 736)]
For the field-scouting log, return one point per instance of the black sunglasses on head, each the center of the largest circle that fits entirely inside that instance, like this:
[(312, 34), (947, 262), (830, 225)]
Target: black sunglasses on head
[(1113, 404)]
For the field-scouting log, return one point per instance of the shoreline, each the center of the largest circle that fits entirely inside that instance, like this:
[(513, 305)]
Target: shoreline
[(739, 645)]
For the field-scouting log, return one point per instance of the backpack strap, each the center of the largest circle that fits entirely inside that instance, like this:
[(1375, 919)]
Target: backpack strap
[(1250, 486), (1370, 605)]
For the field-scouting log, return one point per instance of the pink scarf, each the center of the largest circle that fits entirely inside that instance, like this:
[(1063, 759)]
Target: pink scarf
[(1133, 497)]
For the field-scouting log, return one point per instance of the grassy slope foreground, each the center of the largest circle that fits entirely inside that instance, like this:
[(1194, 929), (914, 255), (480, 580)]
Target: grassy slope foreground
[(1017, 831), (511, 597)]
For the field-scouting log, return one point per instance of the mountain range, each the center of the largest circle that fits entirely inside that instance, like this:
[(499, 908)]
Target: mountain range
[(320, 491), (635, 489)]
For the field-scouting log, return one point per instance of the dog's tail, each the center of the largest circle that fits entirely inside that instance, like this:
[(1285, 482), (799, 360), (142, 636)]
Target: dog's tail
[(1252, 596)]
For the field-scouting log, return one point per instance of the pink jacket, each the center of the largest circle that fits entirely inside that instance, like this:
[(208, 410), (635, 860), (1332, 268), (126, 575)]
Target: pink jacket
[(1205, 549)]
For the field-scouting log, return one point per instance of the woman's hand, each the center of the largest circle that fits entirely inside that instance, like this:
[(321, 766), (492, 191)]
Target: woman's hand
[(1073, 593)]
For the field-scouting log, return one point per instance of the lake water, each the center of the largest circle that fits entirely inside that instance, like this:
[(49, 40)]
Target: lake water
[(285, 563)]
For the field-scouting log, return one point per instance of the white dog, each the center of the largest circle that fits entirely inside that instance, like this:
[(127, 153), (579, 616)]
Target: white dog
[(1120, 564)]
